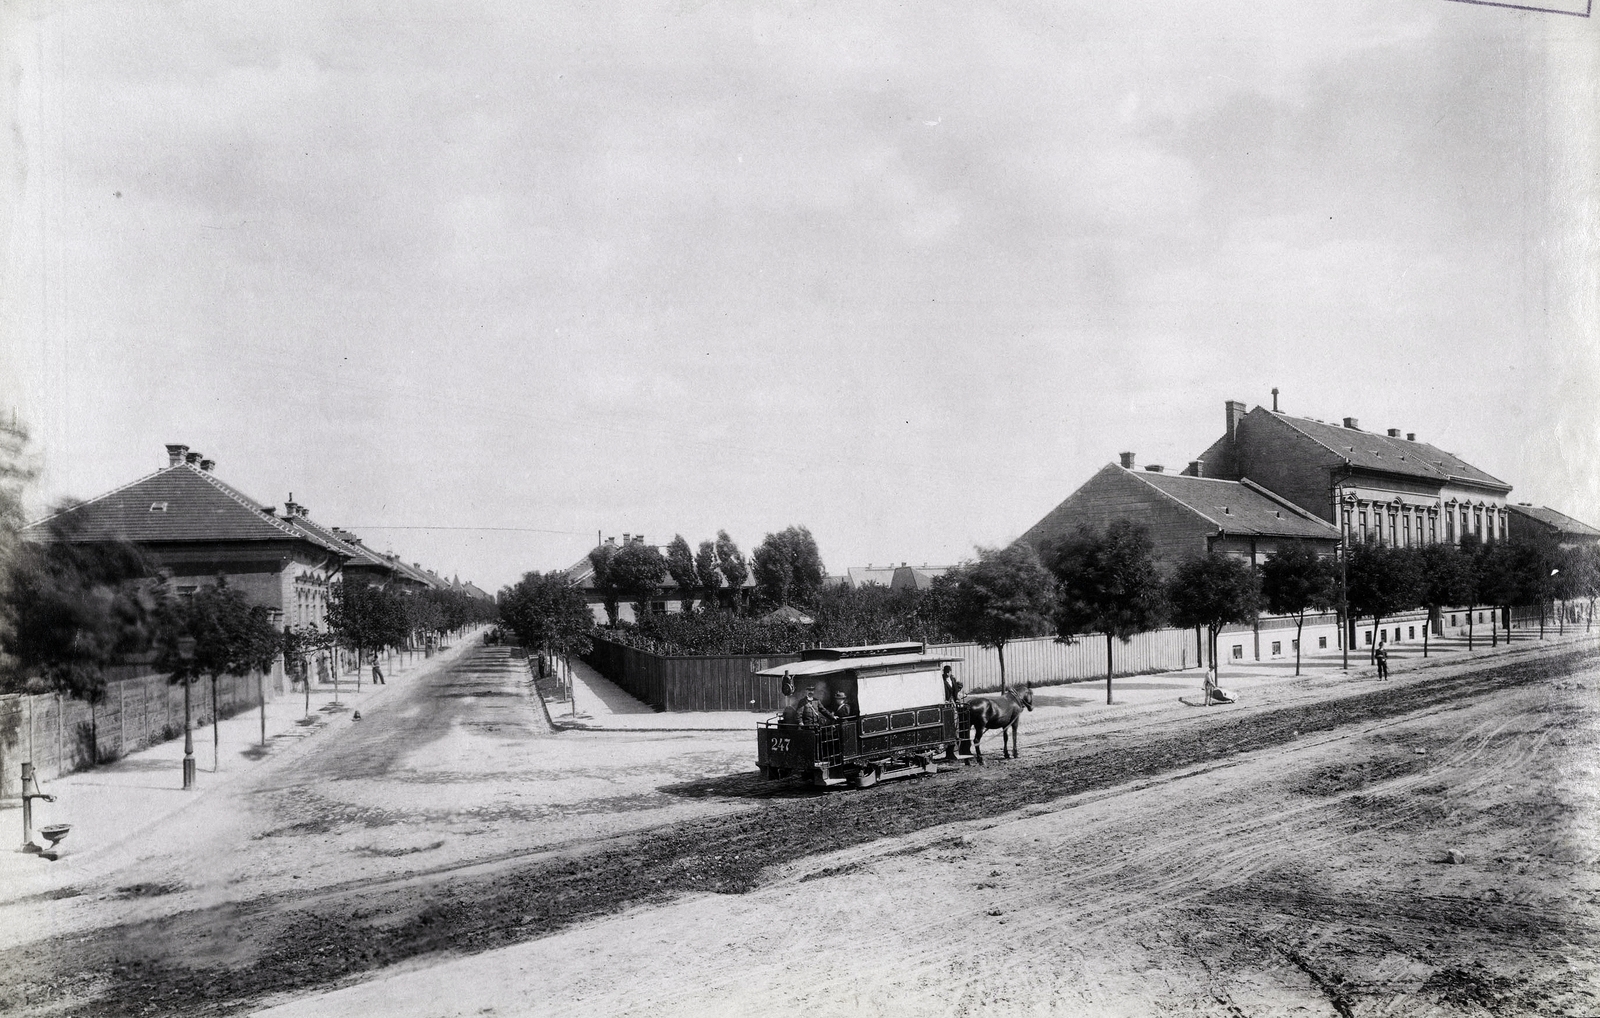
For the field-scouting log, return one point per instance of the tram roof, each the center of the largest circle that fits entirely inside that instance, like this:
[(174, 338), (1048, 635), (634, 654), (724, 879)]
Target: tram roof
[(802, 669)]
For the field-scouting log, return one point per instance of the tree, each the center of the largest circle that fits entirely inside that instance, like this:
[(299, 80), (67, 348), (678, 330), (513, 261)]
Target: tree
[(1582, 570), (1295, 580), (548, 612), (76, 608), (15, 475), (637, 570), (1444, 577), (680, 564), (1005, 594), (732, 566), (212, 632), (1213, 591), (610, 591), (707, 578), (788, 567), (1106, 583), (366, 618), (1380, 581), (1499, 583)]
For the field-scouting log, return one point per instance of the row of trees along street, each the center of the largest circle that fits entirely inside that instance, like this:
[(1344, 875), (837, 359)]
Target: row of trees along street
[(70, 610), (1104, 583)]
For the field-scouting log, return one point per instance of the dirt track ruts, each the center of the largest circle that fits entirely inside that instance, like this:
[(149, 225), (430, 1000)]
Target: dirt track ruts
[(286, 944)]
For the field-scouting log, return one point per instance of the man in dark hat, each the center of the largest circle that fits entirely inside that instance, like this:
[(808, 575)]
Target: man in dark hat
[(810, 713), (841, 704)]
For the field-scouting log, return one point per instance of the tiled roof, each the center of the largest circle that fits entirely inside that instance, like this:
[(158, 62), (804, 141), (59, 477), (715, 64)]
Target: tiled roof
[(1559, 521), (1372, 451), (1242, 508), (359, 554), (179, 503)]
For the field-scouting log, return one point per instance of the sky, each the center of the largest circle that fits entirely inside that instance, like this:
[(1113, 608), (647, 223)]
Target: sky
[(481, 281)]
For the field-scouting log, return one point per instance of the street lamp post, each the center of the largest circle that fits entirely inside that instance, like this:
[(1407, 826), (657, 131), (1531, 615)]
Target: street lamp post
[(275, 617), (186, 654)]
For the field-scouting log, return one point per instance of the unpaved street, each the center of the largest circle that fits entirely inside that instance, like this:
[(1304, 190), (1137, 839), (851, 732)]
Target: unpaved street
[(1287, 857)]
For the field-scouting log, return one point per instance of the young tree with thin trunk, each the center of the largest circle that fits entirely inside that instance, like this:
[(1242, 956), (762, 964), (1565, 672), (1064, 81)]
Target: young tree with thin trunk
[(1107, 583), (1214, 591), (1382, 580), (1004, 595), (1444, 577), (547, 612), (1297, 579)]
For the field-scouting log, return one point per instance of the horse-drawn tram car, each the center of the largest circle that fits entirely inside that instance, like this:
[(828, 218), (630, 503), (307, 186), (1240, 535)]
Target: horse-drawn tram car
[(863, 715)]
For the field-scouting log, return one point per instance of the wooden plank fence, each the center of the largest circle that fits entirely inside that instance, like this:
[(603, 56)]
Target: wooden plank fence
[(59, 734)]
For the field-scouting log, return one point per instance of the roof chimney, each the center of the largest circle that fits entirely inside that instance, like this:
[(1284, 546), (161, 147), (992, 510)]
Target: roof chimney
[(1197, 468), (1394, 432), (193, 459), (1274, 399), (1411, 436), (1127, 461), (1352, 424), (1154, 468), (175, 454), (206, 465), (1233, 412)]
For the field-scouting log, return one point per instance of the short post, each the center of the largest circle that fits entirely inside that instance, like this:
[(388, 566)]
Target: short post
[(28, 791)]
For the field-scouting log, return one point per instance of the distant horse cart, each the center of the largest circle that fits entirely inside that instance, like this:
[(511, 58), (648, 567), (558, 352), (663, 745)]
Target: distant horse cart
[(860, 715)]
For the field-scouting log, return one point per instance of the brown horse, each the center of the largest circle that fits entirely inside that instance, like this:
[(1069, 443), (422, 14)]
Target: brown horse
[(1001, 711)]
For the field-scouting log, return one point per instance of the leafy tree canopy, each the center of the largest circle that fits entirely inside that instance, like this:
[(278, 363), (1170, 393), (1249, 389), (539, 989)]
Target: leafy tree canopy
[(1215, 591), (1297, 579), (546, 610), (788, 567), (1107, 582)]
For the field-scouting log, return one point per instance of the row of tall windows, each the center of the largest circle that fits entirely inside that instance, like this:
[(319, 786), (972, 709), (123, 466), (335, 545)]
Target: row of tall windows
[(1407, 526)]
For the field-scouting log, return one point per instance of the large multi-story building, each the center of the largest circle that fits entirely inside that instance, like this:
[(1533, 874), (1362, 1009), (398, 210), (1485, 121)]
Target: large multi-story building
[(1384, 487)]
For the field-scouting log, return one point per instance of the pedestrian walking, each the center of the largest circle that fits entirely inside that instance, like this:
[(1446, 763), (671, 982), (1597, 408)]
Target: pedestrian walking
[(377, 675)]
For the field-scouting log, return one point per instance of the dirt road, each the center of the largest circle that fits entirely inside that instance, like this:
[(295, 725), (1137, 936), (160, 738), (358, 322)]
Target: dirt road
[(1249, 861)]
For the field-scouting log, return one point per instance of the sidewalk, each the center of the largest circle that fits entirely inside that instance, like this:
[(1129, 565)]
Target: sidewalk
[(112, 806), (603, 706)]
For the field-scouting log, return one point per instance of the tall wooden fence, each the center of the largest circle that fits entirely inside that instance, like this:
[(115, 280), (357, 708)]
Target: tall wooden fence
[(59, 734), (721, 682)]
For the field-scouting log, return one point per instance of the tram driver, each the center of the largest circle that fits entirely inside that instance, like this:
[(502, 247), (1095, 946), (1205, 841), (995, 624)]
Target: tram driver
[(810, 713)]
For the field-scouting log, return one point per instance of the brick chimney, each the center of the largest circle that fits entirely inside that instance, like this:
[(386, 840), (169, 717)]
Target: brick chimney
[(1411, 436), (1352, 424), (1197, 468), (175, 454), (193, 459), (1154, 468), (1394, 432), (1233, 413), (1127, 461), (206, 465)]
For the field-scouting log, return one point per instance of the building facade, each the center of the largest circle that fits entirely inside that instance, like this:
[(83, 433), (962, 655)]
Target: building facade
[(1386, 487)]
